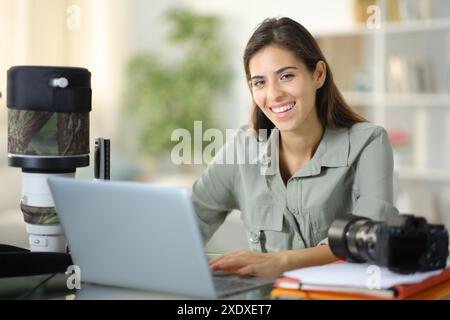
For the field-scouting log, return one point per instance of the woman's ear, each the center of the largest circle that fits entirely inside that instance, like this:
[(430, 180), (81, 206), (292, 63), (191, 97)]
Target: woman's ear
[(320, 74)]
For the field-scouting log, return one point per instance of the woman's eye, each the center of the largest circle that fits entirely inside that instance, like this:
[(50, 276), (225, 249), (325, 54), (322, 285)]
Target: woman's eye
[(258, 83), (287, 76)]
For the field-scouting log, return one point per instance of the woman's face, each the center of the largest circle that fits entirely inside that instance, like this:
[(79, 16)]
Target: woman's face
[(283, 88)]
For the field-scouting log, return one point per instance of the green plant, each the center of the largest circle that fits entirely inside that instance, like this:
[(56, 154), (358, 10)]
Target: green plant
[(164, 96)]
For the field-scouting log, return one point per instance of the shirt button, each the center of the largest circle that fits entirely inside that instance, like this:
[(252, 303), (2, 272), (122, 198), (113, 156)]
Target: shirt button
[(295, 211), (266, 161)]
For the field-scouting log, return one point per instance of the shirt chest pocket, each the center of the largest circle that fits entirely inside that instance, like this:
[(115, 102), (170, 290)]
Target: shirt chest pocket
[(319, 220), (265, 229)]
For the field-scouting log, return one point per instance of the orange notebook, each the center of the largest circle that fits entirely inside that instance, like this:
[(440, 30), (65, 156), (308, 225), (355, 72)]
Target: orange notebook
[(435, 287)]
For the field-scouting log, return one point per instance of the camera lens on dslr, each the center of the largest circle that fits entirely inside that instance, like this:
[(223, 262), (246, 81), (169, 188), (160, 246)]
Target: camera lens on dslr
[(342, 237)]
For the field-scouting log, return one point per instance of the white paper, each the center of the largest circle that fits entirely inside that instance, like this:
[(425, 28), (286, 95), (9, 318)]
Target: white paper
[(361, 275)]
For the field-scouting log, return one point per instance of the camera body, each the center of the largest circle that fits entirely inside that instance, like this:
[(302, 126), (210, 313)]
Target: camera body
[(404, 244)]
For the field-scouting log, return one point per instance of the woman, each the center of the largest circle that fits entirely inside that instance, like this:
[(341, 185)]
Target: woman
[(326, 160)]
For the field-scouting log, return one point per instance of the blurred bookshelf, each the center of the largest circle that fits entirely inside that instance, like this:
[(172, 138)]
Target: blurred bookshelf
[(410, 100), (388, 28), (397, 75)]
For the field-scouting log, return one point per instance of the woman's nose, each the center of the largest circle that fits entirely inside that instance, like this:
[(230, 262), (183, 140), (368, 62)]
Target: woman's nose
[(274, 92)]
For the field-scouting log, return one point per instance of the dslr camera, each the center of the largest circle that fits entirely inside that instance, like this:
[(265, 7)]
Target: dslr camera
[(404, 244)]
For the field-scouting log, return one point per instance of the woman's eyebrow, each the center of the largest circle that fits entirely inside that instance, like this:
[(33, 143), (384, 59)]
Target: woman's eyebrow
[(276, 72), (284, 69)]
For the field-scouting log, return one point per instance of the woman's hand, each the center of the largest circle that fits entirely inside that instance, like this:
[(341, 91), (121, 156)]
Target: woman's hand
[(246, 263), (274, 264)]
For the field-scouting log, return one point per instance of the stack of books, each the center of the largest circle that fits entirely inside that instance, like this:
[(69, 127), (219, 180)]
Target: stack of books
[(356, 281)]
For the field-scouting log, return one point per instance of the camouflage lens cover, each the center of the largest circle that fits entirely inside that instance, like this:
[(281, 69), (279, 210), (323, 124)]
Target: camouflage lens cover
[(47, 133), (39, 215)]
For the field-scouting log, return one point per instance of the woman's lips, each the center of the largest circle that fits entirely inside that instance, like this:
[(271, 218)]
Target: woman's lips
[(282, 110)]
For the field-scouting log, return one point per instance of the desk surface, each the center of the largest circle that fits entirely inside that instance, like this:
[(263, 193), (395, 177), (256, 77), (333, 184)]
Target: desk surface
[(55, 287)]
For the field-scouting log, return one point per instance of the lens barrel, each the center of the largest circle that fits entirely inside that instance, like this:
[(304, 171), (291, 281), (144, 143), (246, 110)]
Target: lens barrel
[(338, 236), (48, 135)]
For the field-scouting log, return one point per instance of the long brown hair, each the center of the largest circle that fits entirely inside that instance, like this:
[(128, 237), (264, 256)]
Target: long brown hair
[(332, 109)]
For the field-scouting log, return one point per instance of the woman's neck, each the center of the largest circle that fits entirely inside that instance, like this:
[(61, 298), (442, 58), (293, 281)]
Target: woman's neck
[(302, 144)]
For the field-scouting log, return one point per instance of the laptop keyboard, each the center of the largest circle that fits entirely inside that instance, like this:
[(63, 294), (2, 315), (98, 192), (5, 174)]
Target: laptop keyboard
[(227, 286)]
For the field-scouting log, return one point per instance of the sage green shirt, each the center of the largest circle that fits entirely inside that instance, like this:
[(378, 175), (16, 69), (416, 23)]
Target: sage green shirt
[(350, 172)]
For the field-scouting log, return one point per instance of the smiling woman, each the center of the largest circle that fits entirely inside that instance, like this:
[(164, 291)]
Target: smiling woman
[(285, 44), (326, 160), (286, 95)]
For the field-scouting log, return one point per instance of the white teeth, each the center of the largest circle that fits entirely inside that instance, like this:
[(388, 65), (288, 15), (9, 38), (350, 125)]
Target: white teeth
[(283, 109)]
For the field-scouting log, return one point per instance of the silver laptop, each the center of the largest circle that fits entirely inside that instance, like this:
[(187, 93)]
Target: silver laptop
[(140, 236)]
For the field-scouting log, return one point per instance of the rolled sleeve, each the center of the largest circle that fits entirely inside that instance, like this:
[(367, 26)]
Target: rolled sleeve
[(323, 242), (374, 179), (375, 209)]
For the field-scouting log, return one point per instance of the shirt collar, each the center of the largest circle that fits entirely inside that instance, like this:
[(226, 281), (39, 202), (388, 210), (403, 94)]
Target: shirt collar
[(332, 152), (337, 147)]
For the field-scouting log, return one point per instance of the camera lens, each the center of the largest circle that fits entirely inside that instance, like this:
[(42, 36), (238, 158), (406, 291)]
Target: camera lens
[(354, 238), (361, 239), (48, 135), (340, 239)]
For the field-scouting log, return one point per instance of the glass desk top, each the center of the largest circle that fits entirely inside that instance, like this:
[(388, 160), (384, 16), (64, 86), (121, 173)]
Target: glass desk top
[(55, 287)]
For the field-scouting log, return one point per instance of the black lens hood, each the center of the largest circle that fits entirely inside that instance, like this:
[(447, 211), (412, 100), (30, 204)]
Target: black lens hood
[(31, 88)]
